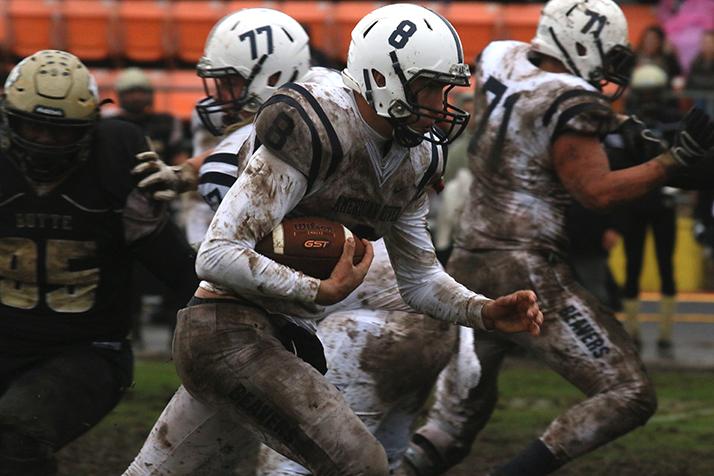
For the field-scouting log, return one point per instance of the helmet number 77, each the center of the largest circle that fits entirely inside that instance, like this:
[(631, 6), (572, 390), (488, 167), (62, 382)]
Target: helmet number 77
[(251, 36)]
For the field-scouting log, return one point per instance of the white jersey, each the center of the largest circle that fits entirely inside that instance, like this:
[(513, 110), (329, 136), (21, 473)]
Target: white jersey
[(315, 156), (516, 200), (378, 291)]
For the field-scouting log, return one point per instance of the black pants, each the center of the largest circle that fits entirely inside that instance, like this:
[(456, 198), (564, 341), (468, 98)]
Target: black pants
[(46, 401), (663, 222)]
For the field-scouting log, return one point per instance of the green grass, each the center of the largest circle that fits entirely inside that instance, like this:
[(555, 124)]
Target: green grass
[(679, 440)]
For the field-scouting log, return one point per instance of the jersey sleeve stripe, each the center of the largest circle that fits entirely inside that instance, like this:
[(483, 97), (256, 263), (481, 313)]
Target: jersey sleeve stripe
[(314, 136), (217, 178), (574, 111), (335, 146), (444, 149), (573, 93), (223, 157)]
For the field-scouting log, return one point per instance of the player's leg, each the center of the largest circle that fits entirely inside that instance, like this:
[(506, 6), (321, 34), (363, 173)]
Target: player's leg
[(634, 243), (467, 392), (664, 227), (384, 364), (466, 395), (191, 438), (583, 342), (49, 401), (229, 355)]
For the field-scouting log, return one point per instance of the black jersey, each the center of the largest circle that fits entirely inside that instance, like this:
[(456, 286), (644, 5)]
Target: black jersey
[(64, 256)]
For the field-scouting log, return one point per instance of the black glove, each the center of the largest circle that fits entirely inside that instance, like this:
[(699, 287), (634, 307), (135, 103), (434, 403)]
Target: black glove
[(635, 144), (695, 138)]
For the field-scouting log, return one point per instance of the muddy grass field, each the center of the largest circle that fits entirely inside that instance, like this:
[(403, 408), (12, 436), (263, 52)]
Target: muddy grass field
[(678, 440)]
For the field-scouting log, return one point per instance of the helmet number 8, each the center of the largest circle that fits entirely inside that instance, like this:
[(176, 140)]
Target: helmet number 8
[(401, 35)]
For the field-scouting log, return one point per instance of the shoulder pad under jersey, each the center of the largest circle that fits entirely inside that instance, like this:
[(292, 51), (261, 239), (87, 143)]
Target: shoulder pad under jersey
[(581, 111), (297, 125)]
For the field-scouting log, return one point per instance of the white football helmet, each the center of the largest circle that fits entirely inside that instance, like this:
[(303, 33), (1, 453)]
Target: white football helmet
[(589, 37), (395, 45), (264, 47)]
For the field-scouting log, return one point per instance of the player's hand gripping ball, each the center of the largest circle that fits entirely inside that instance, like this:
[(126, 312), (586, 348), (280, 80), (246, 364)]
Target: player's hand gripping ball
[(312, 245)]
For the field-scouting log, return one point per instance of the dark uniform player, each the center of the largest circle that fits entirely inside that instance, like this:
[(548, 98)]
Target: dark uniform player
[(136, 102), (71, 221), (536, 148)]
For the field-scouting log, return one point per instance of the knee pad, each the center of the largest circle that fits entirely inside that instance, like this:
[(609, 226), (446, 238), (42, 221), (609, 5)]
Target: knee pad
[(24, 454), (433, 451), (643, 401)]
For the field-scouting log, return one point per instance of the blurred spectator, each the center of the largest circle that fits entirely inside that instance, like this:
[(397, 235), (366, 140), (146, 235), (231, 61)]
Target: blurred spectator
[(653, 49), (592, 235), (704, 220), (136, 103), (701, 74), (652, 101)]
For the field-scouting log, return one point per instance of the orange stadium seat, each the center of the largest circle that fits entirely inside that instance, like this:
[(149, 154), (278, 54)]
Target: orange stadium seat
[(639, 18), (185, 89), (32, 25), (475, 23), (4, 36), (314, 17), (520, 21), (142, 30), (346, 16), (87, 29), (105, 84), (192, 22)]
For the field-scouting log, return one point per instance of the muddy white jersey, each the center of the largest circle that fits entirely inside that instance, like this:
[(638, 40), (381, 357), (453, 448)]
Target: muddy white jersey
[(220, 168), (516, 200), (315, 156)]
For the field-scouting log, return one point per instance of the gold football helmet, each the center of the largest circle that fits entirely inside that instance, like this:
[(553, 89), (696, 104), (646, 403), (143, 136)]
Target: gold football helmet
[(47, 114)]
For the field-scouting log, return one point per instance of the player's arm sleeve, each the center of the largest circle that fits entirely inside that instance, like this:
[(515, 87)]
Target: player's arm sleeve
[(580, 111), (169, 257), (423, 283), (256, 203), (217, 175)]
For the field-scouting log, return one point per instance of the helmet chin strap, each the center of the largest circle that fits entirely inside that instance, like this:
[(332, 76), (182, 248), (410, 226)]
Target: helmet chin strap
[(405, 136)]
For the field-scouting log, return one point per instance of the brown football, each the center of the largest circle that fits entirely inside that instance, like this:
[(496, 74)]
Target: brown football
[(312, 245)]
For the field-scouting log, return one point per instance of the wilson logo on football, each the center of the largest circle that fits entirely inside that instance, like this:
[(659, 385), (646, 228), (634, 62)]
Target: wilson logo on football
[(316, 244)]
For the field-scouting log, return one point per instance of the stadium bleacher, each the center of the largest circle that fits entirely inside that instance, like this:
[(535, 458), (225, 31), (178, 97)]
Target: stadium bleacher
[(168, 36)]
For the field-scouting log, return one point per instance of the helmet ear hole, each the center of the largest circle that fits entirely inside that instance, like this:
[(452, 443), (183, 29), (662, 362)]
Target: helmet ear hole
[(274, 78), (379, 78), (582, 51)]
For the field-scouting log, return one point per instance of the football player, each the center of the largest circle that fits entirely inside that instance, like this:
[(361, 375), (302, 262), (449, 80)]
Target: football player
[(354, 155), (71, 222), (383, 359), (537, 147)]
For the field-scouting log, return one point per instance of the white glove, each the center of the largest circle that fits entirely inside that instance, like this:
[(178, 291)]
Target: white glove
[(161, 181)]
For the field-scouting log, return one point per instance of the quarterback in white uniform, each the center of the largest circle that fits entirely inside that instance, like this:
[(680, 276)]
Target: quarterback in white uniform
[(536, 148), (383, 357)]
